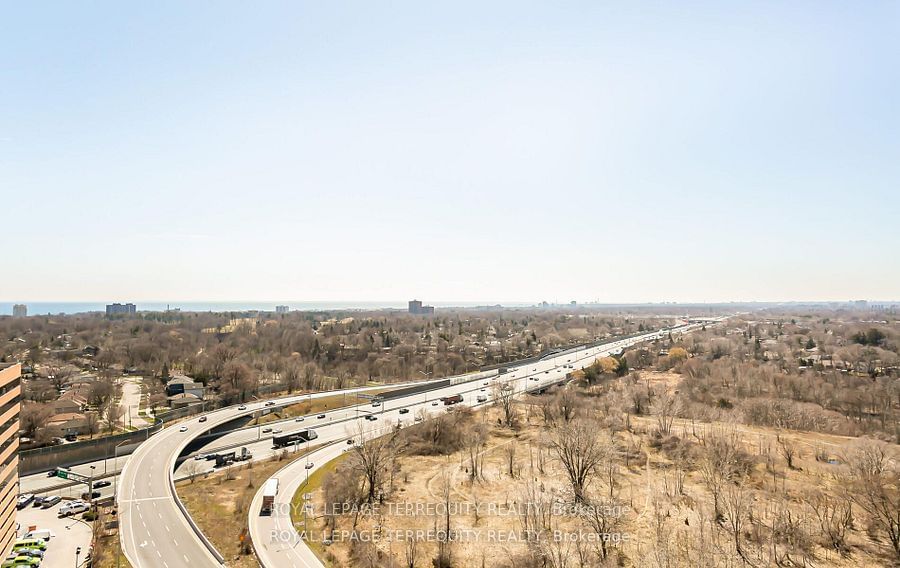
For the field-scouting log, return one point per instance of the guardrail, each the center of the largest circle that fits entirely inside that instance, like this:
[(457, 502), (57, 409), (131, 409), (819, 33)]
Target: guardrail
[(209, 546)]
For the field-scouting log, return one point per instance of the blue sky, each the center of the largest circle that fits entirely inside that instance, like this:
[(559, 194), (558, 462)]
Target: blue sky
[(503, 151)]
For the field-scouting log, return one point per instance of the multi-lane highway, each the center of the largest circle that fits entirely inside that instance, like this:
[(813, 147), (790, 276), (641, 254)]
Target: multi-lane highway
[(275, 539), (155, 530)]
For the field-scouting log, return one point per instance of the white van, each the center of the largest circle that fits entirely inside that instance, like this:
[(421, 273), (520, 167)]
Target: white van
[(42, 534)]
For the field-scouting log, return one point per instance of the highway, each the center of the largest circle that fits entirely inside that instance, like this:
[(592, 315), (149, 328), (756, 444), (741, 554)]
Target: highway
[(276, 541), (155, 531)]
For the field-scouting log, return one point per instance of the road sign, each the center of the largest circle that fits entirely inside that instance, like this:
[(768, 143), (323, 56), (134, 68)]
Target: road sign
[(62, 474)]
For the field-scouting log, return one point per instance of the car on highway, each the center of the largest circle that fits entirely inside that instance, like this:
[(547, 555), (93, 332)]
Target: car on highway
[(277, 431), (103, 483), (404, 411), (203, 419), (300, 419), (183, 429), (435, 403), (309, 465), (242, 407), (418, 418), (485, 383), (321, 416), (200, 457), (350, 442), (270, 403), (376, 403), (266, 430)]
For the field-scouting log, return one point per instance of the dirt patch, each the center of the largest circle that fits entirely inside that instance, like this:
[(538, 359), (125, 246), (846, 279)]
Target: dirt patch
[(219, 504)]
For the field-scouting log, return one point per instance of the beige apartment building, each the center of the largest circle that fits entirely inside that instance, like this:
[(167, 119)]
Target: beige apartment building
[(10, 390)]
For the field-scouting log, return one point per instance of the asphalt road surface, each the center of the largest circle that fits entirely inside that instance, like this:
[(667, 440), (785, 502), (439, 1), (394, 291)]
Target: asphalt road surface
[(155, 531)]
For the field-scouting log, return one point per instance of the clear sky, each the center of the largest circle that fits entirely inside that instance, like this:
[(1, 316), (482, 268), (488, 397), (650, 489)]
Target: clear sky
[(502, 151)]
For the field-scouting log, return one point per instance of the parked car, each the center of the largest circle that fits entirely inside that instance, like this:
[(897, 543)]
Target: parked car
[(24, 500), (71, 437), (13, 561), (43, 535), (50, 501), (38, 501), (73, 508), (92, 495), (32, 543), (33, 552)]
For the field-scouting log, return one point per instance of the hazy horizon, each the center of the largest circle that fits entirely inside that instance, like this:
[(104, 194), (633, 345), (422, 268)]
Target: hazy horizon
[(590, 151)]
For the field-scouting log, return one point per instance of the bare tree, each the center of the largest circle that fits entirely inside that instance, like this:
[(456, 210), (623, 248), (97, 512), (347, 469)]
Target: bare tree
[(565, 404), (112, 413), (580, 450), (510, 451), (505, 398), (411, 552), (192, 469), (718, 466), (875, 486), (736, 508), (92, 423), (787, 451), (475, 438), (665, 406), (835, 517), (371, 456)]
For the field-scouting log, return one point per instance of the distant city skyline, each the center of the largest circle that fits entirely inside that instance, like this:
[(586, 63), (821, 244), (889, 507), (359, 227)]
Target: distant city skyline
[(525, 151), (44, 308)]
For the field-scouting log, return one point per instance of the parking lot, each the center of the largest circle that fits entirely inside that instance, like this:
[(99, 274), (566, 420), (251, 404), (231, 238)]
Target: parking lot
[(69, 534)]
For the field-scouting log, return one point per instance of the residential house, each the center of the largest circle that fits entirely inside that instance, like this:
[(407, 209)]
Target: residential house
[(181, 384), (68, 423)]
